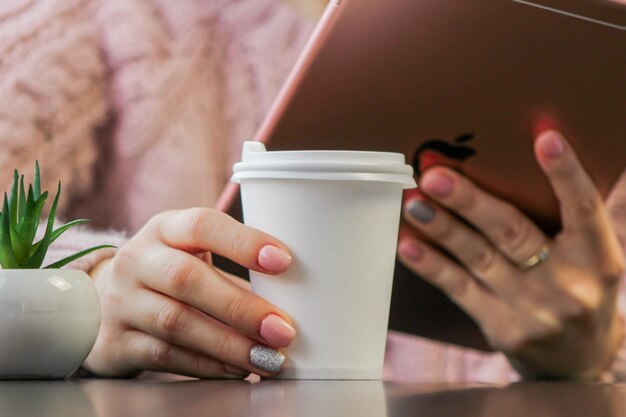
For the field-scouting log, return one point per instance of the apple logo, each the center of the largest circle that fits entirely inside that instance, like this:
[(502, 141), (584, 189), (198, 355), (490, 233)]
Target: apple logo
[(439, 152)]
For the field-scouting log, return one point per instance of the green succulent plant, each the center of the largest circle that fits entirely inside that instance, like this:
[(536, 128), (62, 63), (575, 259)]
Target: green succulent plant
[(19, 220)]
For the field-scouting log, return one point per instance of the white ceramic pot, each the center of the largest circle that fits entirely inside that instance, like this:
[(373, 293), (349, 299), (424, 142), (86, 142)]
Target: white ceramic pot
[(49, 321)]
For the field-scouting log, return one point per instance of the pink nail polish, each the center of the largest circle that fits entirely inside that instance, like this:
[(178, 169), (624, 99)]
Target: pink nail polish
[(276, 331), (437, 184), (273, 259), (551, 143)]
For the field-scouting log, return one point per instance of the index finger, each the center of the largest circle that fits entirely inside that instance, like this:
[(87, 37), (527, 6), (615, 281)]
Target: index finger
[(208, 230), (187, 279)]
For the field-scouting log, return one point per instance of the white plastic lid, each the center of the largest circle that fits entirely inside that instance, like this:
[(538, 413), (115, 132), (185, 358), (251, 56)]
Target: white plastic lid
[(256, 162)]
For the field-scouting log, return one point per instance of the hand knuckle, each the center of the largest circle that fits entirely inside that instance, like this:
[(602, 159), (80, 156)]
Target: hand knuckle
[(199, 223), (238, 309), (161, 354), (124, 256), (155, 222), (483, 257), (171, 321), (452, 284), (514, 233), (181, 275)]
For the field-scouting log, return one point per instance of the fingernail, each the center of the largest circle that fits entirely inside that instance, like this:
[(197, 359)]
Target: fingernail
[(274, 259), (236, 371), (420, 210), (266, 359), (276, 331), (551, 143), (410, 250), (437, 183)]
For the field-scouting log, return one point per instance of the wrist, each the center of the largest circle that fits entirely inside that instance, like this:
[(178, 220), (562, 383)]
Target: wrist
[(607, 364), (96, 270)]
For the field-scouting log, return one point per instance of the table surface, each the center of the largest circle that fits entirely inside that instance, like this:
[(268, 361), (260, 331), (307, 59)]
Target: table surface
[(121, 398)]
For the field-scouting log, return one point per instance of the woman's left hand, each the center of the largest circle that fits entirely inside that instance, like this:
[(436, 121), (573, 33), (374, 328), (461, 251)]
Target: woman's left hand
[(548, 304)]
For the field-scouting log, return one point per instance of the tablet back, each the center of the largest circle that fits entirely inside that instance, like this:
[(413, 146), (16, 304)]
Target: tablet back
[(393, 75), (470, 81)]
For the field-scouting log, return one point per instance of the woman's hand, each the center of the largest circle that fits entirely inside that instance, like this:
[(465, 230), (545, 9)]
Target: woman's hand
[(166, 308), (548, 304)]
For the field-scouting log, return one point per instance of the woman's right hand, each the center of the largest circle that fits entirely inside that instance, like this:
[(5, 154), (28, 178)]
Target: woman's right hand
[(166, 308)]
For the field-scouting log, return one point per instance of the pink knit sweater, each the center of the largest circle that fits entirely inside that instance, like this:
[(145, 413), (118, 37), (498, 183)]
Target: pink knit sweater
[(139, 106)]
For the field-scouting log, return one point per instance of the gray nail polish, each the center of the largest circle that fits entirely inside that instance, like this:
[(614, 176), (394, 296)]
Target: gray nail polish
[(266, 359), (421, 211)]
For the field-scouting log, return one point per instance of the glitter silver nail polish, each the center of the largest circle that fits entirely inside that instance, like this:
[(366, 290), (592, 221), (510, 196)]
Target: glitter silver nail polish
[(266, 359)]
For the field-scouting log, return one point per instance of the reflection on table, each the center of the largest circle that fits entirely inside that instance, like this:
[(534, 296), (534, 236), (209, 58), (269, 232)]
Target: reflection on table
[(121, 398)]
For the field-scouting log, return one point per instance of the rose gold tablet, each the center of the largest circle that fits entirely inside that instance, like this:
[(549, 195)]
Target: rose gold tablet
[(464, 83), (472, 78)]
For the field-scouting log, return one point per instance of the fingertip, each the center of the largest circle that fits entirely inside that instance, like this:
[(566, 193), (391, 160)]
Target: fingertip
[(276, 331), (437, 182), (410, 250), (266, 359), (420, 210), (550, 145), (274, 259)]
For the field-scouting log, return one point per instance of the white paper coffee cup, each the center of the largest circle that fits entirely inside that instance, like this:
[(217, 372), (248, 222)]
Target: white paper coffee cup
[(338, 212)]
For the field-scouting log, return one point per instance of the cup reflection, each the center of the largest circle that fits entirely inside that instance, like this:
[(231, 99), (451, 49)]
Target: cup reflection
[(44, 398), (155, 399), (237, 398), (318, 398)]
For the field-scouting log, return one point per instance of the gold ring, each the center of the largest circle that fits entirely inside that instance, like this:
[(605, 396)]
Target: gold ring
[(537, 258)]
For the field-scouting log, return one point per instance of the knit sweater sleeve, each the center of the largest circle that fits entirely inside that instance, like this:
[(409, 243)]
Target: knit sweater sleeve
[(53, 86), (76, 240)]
